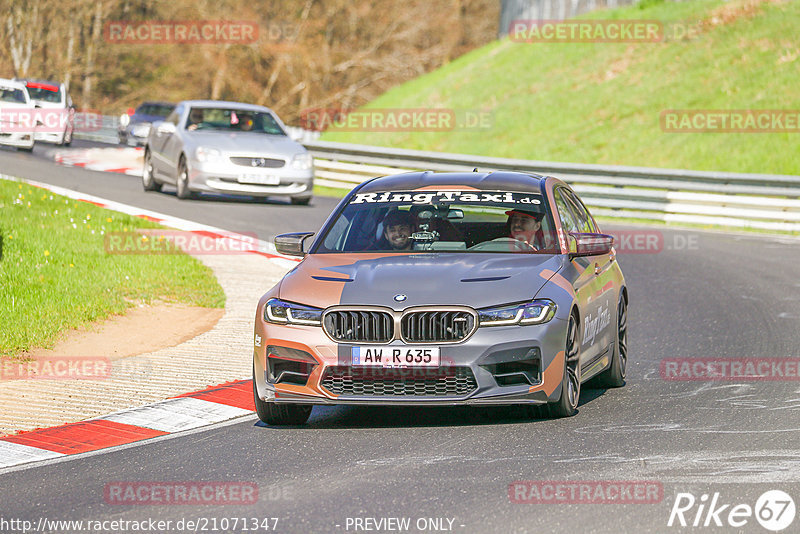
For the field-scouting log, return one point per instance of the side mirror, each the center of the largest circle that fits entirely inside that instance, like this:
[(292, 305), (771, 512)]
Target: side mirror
[(166, 128), (455, 213), (291, 244), (586, 244)]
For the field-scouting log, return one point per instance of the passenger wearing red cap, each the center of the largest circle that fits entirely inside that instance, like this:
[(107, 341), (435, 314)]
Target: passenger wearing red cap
[(526, 226)]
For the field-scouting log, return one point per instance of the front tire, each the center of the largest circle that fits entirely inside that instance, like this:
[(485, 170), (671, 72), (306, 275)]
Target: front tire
[(183, 191), (567, 404), (305, 201), (280, 414), (148, 182)]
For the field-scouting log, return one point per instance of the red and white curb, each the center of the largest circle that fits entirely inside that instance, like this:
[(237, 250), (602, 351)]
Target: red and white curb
[(126, 160), (249, 245), (185, 412)]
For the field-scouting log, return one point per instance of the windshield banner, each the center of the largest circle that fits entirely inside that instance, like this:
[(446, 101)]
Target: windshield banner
[(429, 197)]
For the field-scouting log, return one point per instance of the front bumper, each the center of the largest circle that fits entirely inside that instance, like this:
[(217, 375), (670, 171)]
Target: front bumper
[(51, 137), (228, 179), (482, 355), (17, 139)]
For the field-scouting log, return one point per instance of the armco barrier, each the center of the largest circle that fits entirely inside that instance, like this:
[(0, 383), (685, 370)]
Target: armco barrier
[(758, 201)]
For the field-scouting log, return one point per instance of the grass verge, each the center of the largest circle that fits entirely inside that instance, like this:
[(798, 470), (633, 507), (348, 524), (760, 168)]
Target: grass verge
[(55, 274)]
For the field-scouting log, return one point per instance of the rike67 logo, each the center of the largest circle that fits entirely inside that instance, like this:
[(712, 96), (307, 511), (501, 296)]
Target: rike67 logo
[(774, 510)]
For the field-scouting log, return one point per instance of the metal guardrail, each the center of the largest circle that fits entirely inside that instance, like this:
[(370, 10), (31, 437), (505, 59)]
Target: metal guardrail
[(758, 201), (107, 133)]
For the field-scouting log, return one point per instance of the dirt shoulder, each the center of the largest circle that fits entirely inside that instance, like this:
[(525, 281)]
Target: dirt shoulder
[(142, 329)]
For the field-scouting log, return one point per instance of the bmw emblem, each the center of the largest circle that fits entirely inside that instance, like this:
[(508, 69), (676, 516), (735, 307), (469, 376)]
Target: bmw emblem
[(400, 298)]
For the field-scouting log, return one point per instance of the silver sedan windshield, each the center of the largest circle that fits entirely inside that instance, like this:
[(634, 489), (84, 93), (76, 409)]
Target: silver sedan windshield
[(234, 120)]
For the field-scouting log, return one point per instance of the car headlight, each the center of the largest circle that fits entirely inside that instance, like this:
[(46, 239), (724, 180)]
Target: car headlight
[(282, 312), (141, 130), (207, 155), (302, 162), (533, 312)]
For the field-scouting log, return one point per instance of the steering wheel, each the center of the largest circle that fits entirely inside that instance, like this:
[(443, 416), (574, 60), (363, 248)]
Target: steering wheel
[(510, 241)]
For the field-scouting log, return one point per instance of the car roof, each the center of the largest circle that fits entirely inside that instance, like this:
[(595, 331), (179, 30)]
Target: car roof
[(37, 80), (12, 83), (224, 103), (156, 103), (487, 181)]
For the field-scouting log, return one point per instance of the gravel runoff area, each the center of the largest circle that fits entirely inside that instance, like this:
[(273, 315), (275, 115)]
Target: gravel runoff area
[(222, 354)]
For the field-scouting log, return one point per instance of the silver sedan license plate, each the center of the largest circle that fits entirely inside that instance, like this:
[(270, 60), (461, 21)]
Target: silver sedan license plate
[(395, 356), (259, 179)]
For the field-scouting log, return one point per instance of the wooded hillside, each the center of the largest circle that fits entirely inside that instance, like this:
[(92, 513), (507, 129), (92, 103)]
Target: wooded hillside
[(308, 53)]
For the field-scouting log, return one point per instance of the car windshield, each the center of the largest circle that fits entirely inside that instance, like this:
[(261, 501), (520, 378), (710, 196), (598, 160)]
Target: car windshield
[(159, 110), (442, 221), (46, 93), (234, 120), (15, 96)]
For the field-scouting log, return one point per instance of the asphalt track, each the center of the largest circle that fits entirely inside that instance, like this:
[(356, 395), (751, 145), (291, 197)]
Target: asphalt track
[(703, 295)]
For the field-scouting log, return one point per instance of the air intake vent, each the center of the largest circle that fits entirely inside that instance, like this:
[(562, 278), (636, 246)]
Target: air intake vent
[(264, 163), (377, 382)]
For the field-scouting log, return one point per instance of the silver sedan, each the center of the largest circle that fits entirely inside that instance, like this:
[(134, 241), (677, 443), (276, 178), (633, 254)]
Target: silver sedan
[(226, 147)]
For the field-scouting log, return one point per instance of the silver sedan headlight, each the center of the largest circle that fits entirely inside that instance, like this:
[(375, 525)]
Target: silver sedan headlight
[(534, 312), (302, 162), (208, 155)]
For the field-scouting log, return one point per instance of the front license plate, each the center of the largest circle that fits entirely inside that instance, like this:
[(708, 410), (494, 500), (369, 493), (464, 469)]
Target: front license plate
[(260, 179), (395, 356)]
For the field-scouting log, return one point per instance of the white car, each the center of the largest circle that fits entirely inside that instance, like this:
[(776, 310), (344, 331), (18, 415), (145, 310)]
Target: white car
[(57, 115), (17, 116)]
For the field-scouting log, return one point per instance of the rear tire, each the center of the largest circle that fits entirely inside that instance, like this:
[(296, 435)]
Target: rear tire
[(148, 181), (280, 414), (301, 201), (614, 376)]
